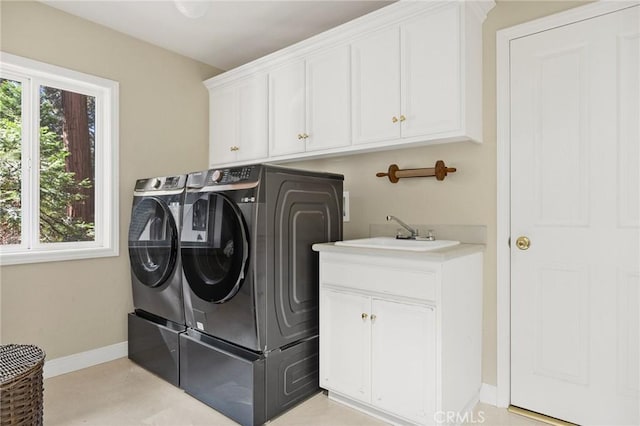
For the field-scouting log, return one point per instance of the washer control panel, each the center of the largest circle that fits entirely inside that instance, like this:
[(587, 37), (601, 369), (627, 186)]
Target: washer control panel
[(163, 183)]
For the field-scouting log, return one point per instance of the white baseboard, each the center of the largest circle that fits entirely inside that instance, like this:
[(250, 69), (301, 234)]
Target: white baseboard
[(489, 394), (67, 364)]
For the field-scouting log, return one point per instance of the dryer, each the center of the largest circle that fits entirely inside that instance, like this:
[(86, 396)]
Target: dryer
[(251, 285), (156, 275)]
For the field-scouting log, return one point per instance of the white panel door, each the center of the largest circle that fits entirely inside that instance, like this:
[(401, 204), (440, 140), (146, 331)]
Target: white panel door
[(431, 87), (286, 109), (575, 194), (328, 99), (376, 86), (345, 344), (403, 363)]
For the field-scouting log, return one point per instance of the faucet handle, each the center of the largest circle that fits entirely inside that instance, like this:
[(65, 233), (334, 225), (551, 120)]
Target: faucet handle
[(430, 236)]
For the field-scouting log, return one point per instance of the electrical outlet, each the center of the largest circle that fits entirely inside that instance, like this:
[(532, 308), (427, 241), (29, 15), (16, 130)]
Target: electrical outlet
[(345, 206)]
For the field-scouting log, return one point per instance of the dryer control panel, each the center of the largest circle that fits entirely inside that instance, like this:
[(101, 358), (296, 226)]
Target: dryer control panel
[(228, 176)]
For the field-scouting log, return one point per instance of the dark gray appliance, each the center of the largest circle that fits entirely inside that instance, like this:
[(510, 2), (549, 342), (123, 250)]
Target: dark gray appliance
[(156, 275), (251, 286)]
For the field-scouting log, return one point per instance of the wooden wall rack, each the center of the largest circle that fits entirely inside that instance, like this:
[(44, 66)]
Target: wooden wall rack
[(439, 171)]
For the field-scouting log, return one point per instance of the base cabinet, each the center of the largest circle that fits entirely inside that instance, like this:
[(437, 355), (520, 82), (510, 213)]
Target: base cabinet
[(403, 349), (373, 354)]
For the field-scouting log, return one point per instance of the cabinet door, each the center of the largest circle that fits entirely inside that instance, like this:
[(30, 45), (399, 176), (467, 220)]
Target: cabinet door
[(403, 359), (345, 344), (251, 118), (431, 86), (376, 86), (222, 125), (286, 109), (328, 99)]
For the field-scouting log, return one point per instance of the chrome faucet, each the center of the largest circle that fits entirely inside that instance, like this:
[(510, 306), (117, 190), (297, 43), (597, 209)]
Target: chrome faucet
[(413, 232)]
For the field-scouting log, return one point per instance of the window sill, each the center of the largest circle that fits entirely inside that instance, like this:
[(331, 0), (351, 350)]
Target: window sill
[(39, 256)]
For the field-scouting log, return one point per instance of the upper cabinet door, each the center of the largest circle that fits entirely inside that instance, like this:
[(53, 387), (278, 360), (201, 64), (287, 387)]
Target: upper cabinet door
[(376, 86), (328, 99), (430, 67), (286, 109), (252, 118), (222, 124), (238, 121)]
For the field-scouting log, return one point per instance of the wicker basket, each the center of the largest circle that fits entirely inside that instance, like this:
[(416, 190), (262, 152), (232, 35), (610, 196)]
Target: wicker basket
[(21, 390)]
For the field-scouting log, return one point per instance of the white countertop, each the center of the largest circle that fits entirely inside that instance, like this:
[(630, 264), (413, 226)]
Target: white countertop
[(438, 255)]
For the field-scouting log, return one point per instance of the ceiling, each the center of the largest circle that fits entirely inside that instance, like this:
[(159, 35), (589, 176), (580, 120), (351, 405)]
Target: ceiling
[(229, 33)]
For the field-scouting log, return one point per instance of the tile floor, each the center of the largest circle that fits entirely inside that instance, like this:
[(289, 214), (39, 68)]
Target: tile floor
[(120, 393)]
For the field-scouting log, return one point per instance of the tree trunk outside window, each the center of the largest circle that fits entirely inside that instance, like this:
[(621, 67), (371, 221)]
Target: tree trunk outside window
[(77, 141)]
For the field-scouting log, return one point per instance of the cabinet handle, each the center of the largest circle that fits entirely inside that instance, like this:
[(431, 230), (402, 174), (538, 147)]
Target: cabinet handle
[(394, 119), (364, 316), (402, 118), (234, 148)]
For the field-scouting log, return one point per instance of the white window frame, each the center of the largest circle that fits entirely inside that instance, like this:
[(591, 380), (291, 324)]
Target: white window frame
[(33, 74)]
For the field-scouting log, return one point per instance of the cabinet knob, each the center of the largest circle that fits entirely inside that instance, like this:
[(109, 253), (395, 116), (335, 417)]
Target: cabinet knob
[(373, 317), (300, 137), (234, 148), (305, 136), (364, 316), (402, 118), (394, 119)]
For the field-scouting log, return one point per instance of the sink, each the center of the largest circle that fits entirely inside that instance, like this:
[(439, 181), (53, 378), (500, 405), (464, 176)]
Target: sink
[(390, 243)]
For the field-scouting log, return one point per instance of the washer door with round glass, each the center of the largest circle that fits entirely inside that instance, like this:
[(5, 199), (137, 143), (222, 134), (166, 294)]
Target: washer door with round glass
[(214, 246), (153, 242)]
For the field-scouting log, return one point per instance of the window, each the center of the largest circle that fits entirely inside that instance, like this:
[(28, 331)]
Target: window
[(58, 163)]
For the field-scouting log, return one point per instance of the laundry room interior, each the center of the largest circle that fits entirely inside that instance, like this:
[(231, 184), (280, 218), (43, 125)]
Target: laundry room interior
[(229, 298)]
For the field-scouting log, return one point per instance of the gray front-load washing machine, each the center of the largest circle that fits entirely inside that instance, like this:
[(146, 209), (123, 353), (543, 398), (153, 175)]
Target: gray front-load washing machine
[(156, 275), (250, 281)]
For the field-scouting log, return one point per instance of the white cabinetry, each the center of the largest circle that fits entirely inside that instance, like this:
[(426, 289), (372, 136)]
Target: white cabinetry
[(310, 106), (400, 332), (238, 120), (407, 74), (409, 82), (373, 338)]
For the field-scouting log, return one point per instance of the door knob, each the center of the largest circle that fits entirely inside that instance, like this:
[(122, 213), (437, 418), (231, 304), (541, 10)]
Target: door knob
[(523, 243)]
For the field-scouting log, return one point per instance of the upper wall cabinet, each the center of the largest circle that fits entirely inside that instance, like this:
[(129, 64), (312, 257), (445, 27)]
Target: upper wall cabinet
[(407, 74), (309, 104), (408, 80), (238, 120)]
